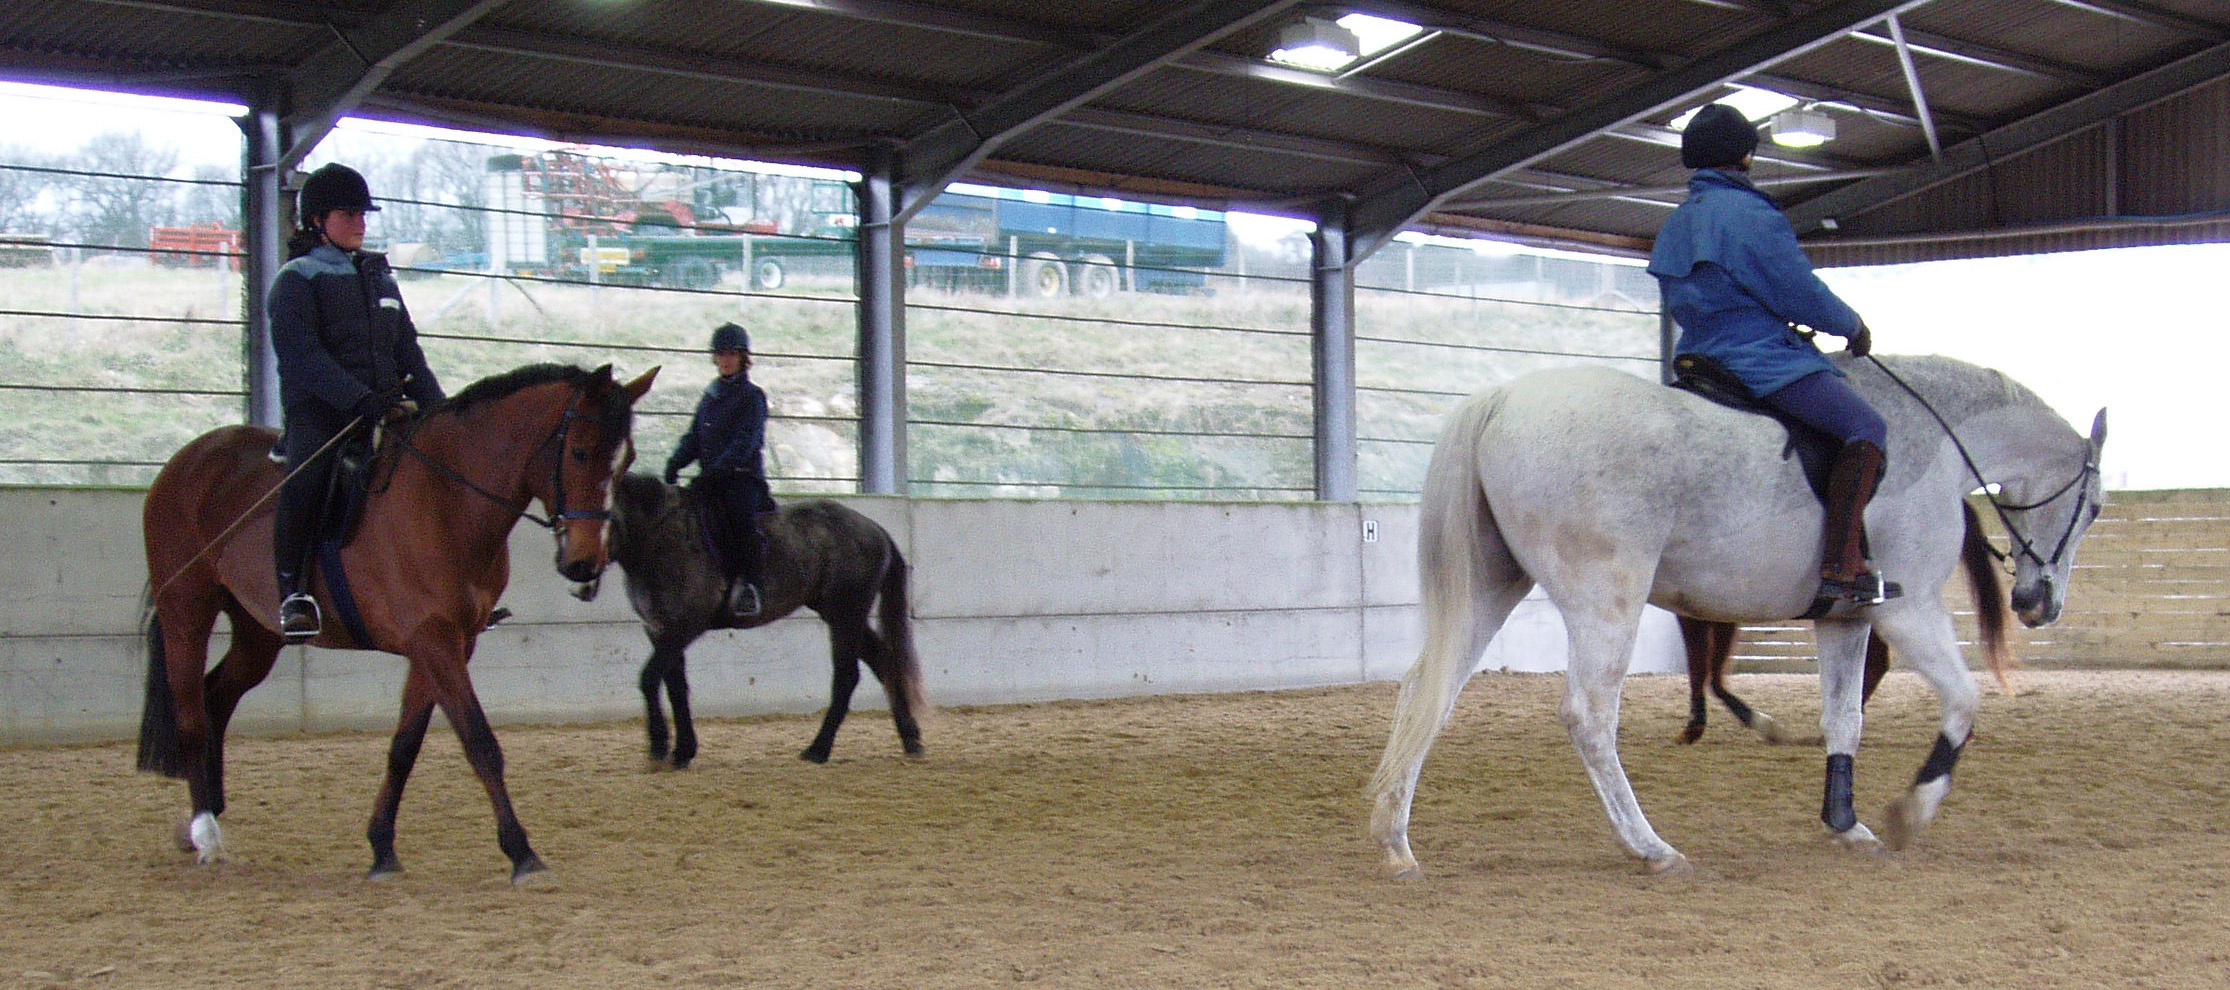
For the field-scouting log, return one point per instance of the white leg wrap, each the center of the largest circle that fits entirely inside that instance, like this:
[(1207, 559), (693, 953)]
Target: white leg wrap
[(209, 841)]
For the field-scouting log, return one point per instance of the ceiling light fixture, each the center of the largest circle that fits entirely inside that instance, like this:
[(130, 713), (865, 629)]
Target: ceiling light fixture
[(1801, 128), (1318, 44)]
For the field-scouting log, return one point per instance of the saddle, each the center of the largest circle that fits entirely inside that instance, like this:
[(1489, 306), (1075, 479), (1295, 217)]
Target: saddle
[(1813, 448)]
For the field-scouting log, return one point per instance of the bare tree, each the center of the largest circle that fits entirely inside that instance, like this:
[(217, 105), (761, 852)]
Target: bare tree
[(122, 193), (20, 188)]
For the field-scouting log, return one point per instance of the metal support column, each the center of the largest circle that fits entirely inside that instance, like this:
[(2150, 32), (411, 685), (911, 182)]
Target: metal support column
[(1332, 355), (880, 266), (1668, 334), (264, 213)]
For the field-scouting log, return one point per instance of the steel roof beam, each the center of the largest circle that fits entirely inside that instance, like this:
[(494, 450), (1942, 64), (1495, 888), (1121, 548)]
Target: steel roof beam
[(2151, 16), (2031, 132), (932, 160), (1967, 52), (337, 77), (1381, 214)]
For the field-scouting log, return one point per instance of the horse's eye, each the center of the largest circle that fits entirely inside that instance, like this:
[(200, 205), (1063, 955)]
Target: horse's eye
[(580, 455)]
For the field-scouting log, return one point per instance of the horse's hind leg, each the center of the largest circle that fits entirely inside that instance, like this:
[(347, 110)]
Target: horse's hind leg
[(1602, 644), (847, 648), (184, 625), (1455, 636), (884, 661), (1927, 642)]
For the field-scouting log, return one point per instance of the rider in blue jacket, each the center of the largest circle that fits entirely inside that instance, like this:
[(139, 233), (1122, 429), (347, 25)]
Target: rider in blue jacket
[(727, 438), (348, 356), (1732, 275)]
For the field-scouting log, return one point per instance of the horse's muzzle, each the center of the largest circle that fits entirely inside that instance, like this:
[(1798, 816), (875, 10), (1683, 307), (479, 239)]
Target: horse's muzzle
[(2036, 606), (586, 590)]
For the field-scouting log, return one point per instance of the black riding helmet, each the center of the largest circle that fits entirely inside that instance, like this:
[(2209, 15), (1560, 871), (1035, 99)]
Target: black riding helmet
[(1717, 135), (334, 187), (730, 337)]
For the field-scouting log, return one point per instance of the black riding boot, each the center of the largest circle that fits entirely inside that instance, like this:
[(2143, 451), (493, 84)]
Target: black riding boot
[(293, 526), (744, 600), (1845, 573)]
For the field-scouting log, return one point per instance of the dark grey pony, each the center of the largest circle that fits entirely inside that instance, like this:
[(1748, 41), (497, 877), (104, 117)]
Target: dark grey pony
[(819, 555)]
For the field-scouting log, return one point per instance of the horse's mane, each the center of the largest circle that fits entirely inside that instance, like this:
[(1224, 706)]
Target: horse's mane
[(1950, 384), (616, 418)]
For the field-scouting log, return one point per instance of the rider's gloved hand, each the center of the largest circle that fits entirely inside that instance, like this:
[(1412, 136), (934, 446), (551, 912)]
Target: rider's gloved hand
[(673, 475), (375, 404), (1862, 342)]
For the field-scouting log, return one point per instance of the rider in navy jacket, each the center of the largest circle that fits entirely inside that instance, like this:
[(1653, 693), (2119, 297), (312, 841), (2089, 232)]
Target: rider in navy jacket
[(727, 437), (1732, 275), (347, 354)]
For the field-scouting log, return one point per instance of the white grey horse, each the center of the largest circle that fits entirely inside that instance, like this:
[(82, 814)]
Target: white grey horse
[(1609, 492)]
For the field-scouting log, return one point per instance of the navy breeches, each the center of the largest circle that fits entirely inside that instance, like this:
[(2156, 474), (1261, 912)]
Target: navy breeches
[(1824, 401)]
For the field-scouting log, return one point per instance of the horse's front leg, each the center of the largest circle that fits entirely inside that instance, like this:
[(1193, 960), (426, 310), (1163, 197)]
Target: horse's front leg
[(402, 755), (453, 690), (1927, 641), (664, 674), (1841, 645)]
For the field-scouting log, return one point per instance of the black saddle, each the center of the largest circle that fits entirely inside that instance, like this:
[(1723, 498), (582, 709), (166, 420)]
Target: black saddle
[(1813, 448)]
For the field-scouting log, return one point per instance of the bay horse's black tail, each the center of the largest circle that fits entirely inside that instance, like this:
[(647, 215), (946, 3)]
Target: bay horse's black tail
[(898, 632), (158, 719), (1990, 609)]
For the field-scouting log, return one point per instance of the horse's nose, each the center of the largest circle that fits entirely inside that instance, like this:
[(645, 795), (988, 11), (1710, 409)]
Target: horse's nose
[(579, 571), (2035, 605)]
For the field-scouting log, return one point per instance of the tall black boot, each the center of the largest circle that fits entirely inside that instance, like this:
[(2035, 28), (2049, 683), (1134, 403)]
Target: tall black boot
[(292, 527), (1845, 573)]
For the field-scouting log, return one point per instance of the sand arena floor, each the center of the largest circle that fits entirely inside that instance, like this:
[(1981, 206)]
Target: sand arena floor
[(1191, 842)]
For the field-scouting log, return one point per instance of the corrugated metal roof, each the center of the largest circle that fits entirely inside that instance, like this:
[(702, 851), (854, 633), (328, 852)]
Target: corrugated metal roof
[(2107, 112)]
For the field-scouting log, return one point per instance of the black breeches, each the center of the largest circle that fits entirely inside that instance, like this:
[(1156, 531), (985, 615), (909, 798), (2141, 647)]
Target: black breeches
[(300, 506), (732, 509)]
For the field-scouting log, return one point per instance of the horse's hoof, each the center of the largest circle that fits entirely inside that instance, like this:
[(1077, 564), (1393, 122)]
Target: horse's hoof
[(1689, 735), (1673, 865), (1857, 838), (811, 755), (1407, 873), (915, 751), (183, 835), (1901, 823), (383, 872), (530, 873)]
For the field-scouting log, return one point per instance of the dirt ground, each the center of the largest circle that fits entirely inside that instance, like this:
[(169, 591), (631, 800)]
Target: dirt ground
[(1196, 842)]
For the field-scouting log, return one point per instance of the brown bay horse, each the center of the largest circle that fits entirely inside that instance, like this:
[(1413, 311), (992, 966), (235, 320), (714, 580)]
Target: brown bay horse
[(426, 564), (1710, 647), (818, 554)]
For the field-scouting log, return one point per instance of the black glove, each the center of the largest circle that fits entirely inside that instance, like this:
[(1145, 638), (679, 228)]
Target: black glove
[(673, 474), (375, 404), (1861, 343)]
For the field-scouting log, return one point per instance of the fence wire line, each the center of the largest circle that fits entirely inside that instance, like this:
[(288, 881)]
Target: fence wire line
[(84, 173)]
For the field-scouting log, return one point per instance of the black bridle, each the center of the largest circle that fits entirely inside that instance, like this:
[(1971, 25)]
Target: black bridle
[(2022, 545), (558, 435)]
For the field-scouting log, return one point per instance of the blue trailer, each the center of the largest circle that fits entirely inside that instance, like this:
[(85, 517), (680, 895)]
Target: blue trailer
[(1031, 243)]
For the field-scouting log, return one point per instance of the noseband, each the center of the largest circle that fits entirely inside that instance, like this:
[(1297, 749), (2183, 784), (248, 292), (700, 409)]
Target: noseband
[(2023, 547)]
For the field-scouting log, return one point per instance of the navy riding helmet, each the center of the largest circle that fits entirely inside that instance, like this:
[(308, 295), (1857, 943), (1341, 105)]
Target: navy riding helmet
[(1717, 135), (334, 187), (730, 337)]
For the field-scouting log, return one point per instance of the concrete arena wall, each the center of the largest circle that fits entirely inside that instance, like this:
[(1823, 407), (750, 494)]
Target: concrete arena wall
[(1013, 601)]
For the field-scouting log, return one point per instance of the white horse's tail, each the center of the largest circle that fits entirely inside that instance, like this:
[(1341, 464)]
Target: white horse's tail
[(1468, 582)]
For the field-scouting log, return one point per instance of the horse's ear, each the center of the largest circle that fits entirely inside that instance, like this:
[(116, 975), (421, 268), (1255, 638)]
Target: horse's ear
[(2098, 429), (640, 385), (603, 375)]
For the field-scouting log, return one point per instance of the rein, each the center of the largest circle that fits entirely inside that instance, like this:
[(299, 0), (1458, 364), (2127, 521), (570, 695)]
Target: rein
[(2022, 544), (557, 475)]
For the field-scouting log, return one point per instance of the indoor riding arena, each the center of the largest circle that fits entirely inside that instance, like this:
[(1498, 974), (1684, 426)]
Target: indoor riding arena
[(1132, 327)]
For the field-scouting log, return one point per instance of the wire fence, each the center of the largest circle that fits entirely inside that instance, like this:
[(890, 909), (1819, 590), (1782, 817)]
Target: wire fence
[(1105, 372)]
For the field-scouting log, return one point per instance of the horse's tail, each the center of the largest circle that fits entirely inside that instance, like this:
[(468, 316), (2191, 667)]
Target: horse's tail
[(158, 719), (1990, 610), (1461, 559), (898, 631)]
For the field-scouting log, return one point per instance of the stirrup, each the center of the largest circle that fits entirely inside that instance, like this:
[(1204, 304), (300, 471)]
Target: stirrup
[(1865, 590), (298, 618), (743, 599)]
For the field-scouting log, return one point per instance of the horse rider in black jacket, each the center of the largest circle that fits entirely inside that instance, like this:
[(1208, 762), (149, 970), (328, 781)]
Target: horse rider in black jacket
[(347, 355), (727, 438)]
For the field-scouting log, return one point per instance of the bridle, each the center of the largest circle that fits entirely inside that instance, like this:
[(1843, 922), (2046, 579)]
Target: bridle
[(2023, 547), (559, 513)]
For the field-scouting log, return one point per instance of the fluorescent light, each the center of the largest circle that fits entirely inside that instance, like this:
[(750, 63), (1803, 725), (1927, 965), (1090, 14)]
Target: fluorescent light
[(1801, 128), (1754, 104), (1376, 34), (1316, 43)]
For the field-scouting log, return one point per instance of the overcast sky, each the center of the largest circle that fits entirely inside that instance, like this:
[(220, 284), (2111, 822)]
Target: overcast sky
[(2142, 331)]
